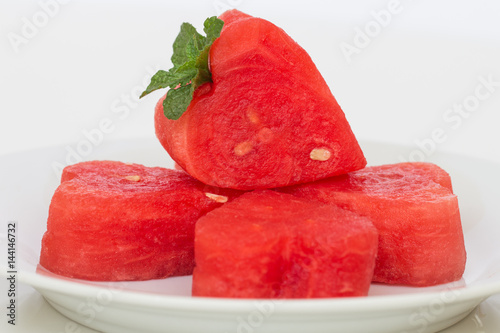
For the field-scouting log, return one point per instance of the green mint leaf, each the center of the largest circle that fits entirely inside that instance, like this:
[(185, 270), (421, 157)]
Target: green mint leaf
[(174, 77), (159, 81), (203, 72), (191, 51), (212, 28), (177, 102), (190, 60), (185, 72), (187, 33)]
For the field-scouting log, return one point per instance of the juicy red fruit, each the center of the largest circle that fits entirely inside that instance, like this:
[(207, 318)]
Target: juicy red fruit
[(113, 221), (266, 244), (267, 120), (415, 212)]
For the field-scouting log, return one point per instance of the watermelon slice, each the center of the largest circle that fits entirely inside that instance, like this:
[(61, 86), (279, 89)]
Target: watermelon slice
[(417, 216), (266, 244), (268, 119), (113, 221)]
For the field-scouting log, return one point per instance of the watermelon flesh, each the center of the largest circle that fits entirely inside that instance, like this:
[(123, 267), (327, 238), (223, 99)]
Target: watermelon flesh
[(266, 244), (267, 120), (111, 221), (232, 15), (415, 212)]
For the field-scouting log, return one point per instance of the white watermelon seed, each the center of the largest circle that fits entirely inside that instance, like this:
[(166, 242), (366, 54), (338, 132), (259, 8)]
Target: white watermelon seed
[(134, 178), (320, 154), (216, 197), (243, 148)]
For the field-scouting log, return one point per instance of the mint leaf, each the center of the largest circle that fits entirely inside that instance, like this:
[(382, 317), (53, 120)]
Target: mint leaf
[(203, 72), (177, 101), (212, 28), (190, 60), (187, 33), (158, 81), (174, 77)]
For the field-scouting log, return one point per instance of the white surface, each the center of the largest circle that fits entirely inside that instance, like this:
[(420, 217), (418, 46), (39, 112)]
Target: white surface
[(83, 64), (166, 305), (80, 66)]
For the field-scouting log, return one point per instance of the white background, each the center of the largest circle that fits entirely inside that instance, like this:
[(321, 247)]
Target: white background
[(68, 66), (82, 65)]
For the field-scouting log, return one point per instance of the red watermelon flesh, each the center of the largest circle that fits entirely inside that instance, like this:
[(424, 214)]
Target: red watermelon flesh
[(112, 221), (417, 215), (266, 244), (231, 16), (267, 120)]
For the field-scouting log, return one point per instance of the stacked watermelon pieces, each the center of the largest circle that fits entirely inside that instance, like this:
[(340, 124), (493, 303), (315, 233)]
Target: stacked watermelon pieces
[(272, 197)]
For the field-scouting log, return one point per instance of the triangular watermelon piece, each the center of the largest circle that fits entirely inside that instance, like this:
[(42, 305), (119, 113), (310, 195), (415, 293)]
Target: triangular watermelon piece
[(267, 120)]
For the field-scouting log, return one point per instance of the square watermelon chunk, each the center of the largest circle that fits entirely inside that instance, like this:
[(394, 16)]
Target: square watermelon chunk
[(111, 221), (416, 213), (266, 244)]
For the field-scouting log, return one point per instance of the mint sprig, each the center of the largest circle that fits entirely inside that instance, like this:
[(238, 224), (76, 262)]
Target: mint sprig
[(190, 60)]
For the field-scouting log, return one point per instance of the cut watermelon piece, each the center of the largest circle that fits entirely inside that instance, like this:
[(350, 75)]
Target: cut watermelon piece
[(266, 244), (231, 16), (267, 120), (417, 216), (112, 221)]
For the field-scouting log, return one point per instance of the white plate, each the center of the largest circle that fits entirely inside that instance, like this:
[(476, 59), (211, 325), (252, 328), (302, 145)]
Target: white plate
[(166, 306)]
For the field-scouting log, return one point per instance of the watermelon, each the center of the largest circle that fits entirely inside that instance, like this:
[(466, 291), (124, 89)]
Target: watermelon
[(266, 244), (268, 119), (111, 221), (415, 212)]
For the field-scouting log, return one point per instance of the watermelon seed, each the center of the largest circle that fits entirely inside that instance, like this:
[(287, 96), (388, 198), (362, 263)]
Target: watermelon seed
[(216, 197), (320, 154), (265, 135), (243, 148), (253, 116), (133, 178)]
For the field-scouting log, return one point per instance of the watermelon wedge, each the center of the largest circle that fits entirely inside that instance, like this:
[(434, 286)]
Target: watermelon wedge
[(268, 119), (266, 244), (415, 212), (112, 221)]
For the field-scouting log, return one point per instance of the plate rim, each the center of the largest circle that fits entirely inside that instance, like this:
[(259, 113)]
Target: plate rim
[(375, 303)]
